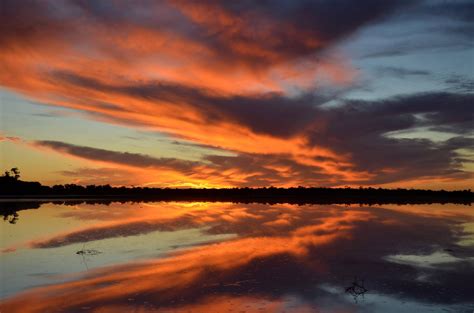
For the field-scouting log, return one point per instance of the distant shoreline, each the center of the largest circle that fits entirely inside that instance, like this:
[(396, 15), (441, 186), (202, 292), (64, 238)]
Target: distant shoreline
[(13, 189), (275, 199)]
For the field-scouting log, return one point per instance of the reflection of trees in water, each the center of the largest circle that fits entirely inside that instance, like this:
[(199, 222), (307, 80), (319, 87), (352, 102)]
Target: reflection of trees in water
[(11, 218), (9, 210)]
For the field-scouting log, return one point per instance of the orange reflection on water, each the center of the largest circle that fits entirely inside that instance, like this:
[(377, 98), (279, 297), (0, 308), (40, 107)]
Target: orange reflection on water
[(201, 268), (276, 247)]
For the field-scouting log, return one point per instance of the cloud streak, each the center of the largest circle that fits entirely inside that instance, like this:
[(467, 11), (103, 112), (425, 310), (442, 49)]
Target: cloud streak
[(125, 158)]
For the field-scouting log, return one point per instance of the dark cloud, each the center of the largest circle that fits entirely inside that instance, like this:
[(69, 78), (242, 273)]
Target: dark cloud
[(271, 113), (458, 9), (259, 170), (361, 128), (426, 43), (266, 170), (284, 29), (124, 158), (400, 72), (447, 26), (27, 21), (279, 115), (286, 26), (322, 17), (459, 83)]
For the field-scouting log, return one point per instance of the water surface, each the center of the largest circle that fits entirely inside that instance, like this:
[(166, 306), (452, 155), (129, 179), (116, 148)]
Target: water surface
[(224, 257)]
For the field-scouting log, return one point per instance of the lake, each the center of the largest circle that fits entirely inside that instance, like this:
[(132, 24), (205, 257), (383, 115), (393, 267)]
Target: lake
[(231, 257)]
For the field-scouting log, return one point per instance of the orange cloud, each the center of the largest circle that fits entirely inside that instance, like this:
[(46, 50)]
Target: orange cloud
[(236, 77), (9, 138), (109, 74)]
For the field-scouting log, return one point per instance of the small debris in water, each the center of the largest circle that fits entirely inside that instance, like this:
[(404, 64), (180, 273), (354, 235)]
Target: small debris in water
[(356, 289), (88, 252)]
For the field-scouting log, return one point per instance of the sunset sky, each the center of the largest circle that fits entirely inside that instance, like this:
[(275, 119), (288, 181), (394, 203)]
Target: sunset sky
[(239, 93)]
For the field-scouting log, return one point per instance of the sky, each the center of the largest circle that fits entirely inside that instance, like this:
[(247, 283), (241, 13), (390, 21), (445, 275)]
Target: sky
[(239, 93)]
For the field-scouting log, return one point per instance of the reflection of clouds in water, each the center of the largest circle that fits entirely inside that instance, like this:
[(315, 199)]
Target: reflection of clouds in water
[(220, 218), (468, 238), (268, 261), (426, 261), (252, 220)]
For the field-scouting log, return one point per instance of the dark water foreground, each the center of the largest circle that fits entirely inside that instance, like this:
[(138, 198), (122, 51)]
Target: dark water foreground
[(227, 257)]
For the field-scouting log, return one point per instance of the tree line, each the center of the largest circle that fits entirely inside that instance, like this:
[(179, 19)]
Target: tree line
[(12, 187)]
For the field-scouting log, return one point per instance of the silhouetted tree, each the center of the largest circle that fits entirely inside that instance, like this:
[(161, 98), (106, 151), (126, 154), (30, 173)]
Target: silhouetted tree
[(11, 218), (11, 186), (16, 172)]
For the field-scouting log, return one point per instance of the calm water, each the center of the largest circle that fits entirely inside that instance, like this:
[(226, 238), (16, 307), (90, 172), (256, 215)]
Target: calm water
[(223, 257)]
